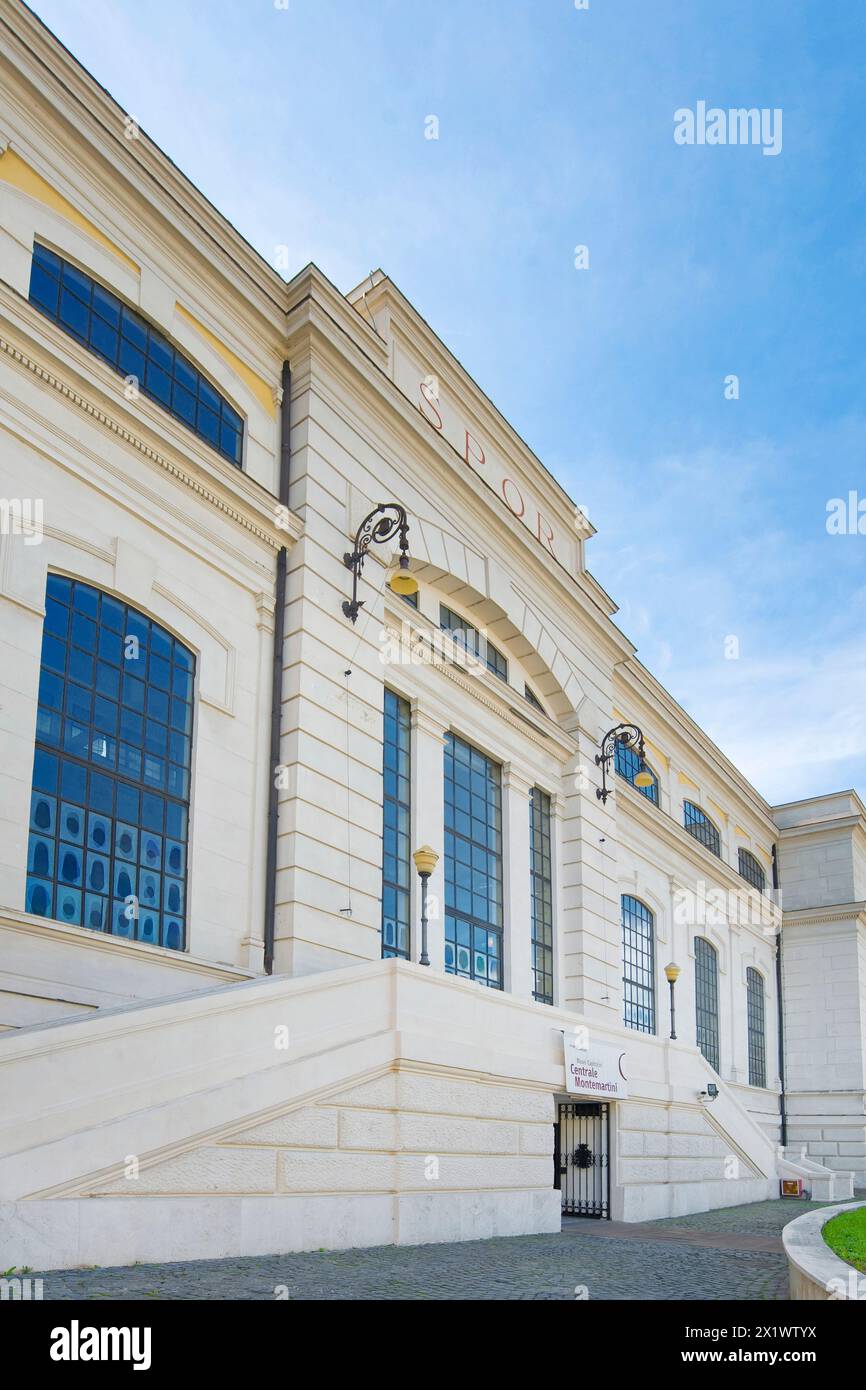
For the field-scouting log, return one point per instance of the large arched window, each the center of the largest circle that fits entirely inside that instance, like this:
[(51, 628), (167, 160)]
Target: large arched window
[(627, 764), (707, 1000), (698, 824), (751, 870), (757, 1039), (638, 965), (109, 809)]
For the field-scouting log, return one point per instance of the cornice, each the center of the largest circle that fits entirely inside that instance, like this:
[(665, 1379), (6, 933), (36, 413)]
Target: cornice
[(252, 518), (550, 738), (59, 82), (409, 325), (658, 822), (121, 947), (665, 709), (407, 437), (817, 916)]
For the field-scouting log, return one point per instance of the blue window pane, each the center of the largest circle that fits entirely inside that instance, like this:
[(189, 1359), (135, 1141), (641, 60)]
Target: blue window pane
[(75, 280), (106, 306), (68, 904), (39, 897), (74, 316), (44, 771), (104, 340), (82, 863), (44, 290)]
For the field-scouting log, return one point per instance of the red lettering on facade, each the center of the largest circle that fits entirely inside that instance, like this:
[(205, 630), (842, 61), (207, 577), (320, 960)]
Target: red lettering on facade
[(547, 538), (479, 457), (509, 483), (427, 395)]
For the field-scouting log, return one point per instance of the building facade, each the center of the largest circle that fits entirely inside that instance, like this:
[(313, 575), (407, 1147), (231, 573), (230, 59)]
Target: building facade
[(218, 1033)]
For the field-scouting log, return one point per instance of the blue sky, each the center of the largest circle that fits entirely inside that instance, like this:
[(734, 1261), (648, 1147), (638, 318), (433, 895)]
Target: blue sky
[(305, 126)]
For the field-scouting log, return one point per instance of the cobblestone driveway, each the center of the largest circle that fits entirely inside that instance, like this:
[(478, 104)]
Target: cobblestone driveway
[(732, 1253)]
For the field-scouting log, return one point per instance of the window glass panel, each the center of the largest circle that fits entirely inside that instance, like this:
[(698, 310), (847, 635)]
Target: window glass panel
[(473, 642), (638, 965), (124, 340), (699, 825), (473, 864), (757, 1040), (92, 824), (751, 870), (396, 815), (541, 888), (707, 1000)]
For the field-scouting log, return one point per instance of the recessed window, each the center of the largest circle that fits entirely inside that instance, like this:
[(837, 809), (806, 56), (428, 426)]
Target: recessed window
[(473, 642), (530, 695), (751, 870), (109, 810), (473, 864), (541, 886), (699, 825), (638, 965), (396, 810), (627, 764), (757, 1041), (132, 347), (707, 1000)]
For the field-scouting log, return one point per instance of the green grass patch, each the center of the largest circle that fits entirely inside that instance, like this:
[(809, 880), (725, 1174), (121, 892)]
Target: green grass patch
[(846, 1237)]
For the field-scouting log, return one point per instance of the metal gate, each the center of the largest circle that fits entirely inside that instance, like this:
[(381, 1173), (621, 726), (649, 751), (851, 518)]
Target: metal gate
[(582, 1158)]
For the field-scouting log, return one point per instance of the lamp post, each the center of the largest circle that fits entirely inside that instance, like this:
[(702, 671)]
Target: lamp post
[(672, 972), (628, 736), (383, 523), (426, 860)]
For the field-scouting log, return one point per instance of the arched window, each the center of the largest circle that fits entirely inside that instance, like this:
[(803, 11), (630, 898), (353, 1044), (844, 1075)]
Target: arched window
[(698, 824), (627, 764), (89, 312), (638, 965), (109, 809), (751, 870), (757, 1040), (707, 1000)]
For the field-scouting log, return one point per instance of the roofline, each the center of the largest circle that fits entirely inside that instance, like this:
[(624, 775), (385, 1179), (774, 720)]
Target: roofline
[(270, 281)]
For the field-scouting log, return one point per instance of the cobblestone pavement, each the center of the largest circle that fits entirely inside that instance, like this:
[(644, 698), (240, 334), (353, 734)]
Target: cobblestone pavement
[(708, 1256)]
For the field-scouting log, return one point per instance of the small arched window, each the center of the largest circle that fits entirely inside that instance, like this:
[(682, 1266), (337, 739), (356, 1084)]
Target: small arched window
[(699, 825), (627, 764), (751, 870), (638, 965), (707, 1000), (757, 1039), (109, 811)]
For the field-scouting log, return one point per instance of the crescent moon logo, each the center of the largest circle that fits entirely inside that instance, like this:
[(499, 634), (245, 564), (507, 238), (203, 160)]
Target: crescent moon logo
[(621, 1072)]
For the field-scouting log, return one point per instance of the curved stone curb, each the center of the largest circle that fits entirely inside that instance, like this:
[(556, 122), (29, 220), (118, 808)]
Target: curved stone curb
[(814, 1271)]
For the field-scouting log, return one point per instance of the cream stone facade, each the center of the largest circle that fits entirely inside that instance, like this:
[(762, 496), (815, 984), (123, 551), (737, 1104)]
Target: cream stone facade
[(267, 1081)]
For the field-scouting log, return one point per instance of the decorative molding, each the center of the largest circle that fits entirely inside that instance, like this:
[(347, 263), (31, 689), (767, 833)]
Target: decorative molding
[(208, 494), (227, 704)]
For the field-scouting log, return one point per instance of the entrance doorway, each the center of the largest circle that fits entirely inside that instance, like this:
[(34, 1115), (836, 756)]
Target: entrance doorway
[(582, 1158)]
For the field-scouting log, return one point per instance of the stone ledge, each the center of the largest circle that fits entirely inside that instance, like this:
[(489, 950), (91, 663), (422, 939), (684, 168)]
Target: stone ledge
[(814, 1271)]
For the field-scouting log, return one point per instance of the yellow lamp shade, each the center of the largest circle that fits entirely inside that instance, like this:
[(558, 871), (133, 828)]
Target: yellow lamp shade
[(672, 972), (403, 583), (426, 859), (644, 778)]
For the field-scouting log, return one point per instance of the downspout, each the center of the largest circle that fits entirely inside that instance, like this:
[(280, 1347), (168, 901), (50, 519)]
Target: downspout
[(783, 1108), (277, 674)]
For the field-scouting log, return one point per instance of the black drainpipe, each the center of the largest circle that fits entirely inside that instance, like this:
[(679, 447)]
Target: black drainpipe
[(277, 673), (783, 1109)]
